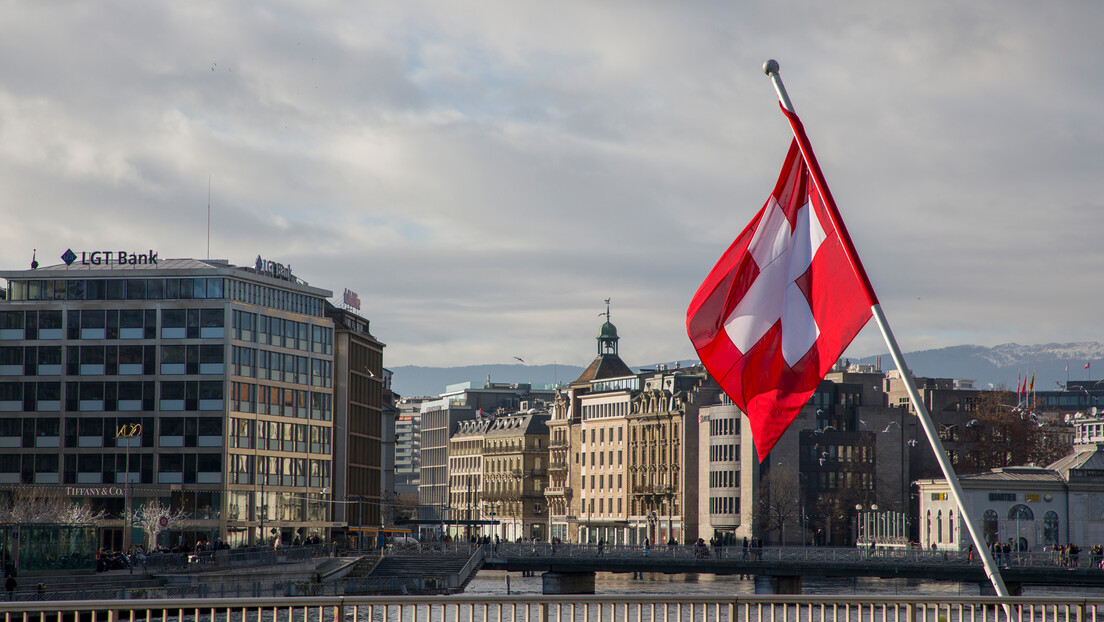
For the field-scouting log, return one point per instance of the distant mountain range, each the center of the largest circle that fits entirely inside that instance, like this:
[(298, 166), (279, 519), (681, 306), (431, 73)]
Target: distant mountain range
[(1052, 364)]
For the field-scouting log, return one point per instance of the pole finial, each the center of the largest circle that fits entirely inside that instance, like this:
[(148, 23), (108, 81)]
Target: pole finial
[(771, 66)]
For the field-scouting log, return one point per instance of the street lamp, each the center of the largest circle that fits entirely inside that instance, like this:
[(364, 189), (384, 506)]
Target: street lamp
[(128, 432), (864, 520)]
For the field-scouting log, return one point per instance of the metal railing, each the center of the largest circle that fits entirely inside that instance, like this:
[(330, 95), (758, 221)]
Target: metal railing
[(818, 554), (229, 558), (641, 608)]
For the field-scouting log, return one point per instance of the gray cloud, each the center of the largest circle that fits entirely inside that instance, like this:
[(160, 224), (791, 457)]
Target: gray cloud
[(485, 174)]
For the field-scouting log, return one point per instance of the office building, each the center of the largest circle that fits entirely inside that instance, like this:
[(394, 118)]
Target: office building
[(201, 384), (359, 422)]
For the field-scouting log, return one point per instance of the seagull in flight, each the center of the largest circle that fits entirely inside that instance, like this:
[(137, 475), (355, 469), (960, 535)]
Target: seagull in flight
[(891, 424), (520, 359)]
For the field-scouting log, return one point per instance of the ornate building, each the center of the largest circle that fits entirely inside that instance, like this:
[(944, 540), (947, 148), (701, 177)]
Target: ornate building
[(622, 469), (515, 462), (466, 475)]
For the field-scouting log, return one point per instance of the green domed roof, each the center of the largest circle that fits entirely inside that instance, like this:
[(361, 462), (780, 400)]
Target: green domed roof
[(609, 331)]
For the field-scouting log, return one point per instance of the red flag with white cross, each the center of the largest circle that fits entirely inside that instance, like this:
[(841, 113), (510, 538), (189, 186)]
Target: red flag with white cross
[(784, 301)]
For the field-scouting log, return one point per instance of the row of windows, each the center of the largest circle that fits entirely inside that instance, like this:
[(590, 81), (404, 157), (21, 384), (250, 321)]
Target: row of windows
[(598, 459), (602, 480), (174, 360), (724, 453), (724, 479), (254, 363), (831, 480), (263, 399), (728, 426), (278, 470), (842, 453), (616, 409), (203, 468), (285, 333), (117, 289), (110, 396), (280, 436), (598, 435), (112, 324), (101, 431), (273, 298), (32, 322), (604, 506), (175, 324), (654, 432), (724, 505)]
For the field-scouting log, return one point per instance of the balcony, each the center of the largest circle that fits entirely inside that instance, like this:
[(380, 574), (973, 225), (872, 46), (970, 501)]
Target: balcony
[(558, 491)]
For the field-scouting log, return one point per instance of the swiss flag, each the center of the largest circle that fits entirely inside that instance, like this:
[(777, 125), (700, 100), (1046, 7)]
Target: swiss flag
[(783, 302)]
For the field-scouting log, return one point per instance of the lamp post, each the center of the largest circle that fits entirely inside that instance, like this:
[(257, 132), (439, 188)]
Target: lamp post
[(863, 522), (128, 432)]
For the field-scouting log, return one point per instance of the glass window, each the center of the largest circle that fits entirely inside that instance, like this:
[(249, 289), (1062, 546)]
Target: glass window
[(172, 289), (173, 318), (989, 525), (12, 320), (136, 289), (172, 390), (49, 320), (1020, 512), (155, 289), (116, 289), (131, 318), (211, 354), (212, 318), (75, 289), (173, 354), (214, 288), (95, 289), (92, 355), (199, 288), (92, 318)]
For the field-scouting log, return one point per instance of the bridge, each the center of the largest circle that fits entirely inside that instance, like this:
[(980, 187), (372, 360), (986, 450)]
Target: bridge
[(537, 608), (571, 568)]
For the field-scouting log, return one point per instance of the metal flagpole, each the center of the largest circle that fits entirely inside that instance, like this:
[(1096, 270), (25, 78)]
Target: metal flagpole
[(771, 69)]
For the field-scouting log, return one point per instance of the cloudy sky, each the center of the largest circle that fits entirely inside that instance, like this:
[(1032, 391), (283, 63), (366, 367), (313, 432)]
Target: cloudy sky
[(485, 174)]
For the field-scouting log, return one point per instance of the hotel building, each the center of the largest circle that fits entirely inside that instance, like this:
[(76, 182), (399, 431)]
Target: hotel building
[(223, 375)]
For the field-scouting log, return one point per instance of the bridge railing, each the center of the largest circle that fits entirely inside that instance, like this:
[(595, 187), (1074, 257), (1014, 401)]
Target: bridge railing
[(815, 554), (542, 608)]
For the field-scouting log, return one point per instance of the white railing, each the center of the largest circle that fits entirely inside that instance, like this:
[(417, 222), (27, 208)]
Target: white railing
[(562, 608)]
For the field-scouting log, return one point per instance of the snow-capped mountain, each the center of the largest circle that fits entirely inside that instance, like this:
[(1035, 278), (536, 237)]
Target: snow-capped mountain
[(1052, 364)]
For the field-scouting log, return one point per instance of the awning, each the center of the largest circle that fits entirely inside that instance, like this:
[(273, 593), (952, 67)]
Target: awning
[(379, 530)]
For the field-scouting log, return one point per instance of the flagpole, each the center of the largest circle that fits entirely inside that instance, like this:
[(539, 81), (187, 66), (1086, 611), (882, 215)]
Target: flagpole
[(771, 68)]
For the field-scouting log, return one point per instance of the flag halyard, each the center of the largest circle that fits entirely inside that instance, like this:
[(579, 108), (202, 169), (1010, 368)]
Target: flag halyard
[(783, 302)]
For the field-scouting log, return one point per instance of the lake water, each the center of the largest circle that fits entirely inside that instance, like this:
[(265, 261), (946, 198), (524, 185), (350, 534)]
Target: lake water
[(494, 582)]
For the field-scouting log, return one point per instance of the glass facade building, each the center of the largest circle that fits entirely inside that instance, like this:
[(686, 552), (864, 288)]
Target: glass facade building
[(226, 371)]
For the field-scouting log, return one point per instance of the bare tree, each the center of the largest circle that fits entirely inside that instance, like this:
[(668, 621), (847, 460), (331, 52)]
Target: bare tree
[(149, 517), (29, 505), (778, 502), (1002, 433)]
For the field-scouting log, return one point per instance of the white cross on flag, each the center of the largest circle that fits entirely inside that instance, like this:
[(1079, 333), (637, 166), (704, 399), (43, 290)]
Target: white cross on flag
[(783, 302)]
